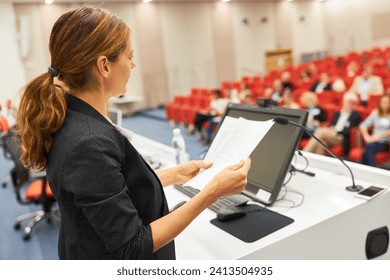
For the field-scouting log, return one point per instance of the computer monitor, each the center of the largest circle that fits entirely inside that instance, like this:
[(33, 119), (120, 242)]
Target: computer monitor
[(271, 159)]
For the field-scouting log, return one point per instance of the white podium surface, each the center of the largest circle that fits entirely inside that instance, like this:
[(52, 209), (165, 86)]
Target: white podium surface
[(125, 103), (329, 224)]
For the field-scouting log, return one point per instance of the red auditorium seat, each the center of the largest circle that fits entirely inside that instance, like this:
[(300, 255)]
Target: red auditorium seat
[(373, 100), (356, 151), (326, 97)]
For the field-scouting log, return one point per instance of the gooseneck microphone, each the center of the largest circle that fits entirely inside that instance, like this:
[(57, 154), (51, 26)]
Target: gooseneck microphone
[(284, 121)]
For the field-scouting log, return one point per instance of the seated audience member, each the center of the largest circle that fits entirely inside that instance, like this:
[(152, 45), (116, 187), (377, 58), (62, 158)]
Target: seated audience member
[(305, 76), (267, 93), (276, 92), (352, 69), (288, 100), (10, 113), (379, 140), (217, 108), (4, 124), (232, 95), (338, 85), (286, 80), (316, 115), (313, 70), (322, 84), (364, 59), (245, 90), (247, 98), (366, 84), (337, 133), (377, 60)]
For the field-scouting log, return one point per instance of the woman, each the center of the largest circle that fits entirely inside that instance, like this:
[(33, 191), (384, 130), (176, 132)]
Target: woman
[(217, 107), (379, 140), (112, 203)]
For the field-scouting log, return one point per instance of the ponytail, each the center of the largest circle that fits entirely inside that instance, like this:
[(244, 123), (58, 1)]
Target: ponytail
[(41, 113)]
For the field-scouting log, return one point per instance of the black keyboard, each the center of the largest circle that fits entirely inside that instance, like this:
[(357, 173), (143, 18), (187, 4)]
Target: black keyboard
[(226, 201)]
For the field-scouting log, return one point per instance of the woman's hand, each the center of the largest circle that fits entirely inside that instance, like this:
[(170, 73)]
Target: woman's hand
[(188, 170), (371, 138), (231, 180)]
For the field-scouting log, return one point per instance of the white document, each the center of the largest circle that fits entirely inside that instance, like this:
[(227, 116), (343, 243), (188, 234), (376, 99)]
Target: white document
[(236, 139)]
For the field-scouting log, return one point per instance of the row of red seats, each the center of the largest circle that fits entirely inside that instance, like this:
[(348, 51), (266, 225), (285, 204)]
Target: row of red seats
[(184, 108), (335, 67)]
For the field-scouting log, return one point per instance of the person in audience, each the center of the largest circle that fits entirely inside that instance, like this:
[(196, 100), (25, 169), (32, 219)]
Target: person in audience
[(378, 141), (305, 76), (112, 203), (322, 84), (288, 100), (232, 95), (10, 113), (366, 84), (286, 80), (364, 58), (247, 98), (316, 115), (274, 93), (377, 60), (217, 107), (352, 69), (245, 91), (313, 70), (338, 85), (337, 133), (4, 125)]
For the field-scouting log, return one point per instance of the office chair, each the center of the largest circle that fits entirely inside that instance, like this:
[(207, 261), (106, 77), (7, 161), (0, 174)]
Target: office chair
[(29, 188)]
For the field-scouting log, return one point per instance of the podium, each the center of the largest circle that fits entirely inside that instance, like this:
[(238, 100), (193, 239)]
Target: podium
[(330, 222)]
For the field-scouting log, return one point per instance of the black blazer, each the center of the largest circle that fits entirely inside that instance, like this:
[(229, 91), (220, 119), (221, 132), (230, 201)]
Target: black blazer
[(107, 194), (353, 121), (326, 88)]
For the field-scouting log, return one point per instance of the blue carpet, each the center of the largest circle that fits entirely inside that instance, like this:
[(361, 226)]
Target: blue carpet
[(152, 124), (43, 242)]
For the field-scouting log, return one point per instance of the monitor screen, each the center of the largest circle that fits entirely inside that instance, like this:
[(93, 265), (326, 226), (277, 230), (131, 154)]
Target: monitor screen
[(272, 157)]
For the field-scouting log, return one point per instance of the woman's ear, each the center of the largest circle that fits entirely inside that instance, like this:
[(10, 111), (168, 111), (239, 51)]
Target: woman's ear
[(102, 65)]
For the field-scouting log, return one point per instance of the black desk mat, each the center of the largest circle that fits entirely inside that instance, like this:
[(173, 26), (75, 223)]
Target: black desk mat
[(254, 225)]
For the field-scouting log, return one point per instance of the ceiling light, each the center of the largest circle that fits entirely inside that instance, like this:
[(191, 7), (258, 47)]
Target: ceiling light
[(225, 1), (147, 1), (48, 2)]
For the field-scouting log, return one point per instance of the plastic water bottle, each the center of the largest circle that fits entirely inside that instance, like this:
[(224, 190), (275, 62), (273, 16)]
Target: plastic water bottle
[(179, 145)]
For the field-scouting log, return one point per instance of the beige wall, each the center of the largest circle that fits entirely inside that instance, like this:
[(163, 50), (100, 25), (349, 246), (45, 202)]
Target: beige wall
[(348, 24), (252, 37), (223, 38), (12, 71), (182, 45), (188, 46)]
